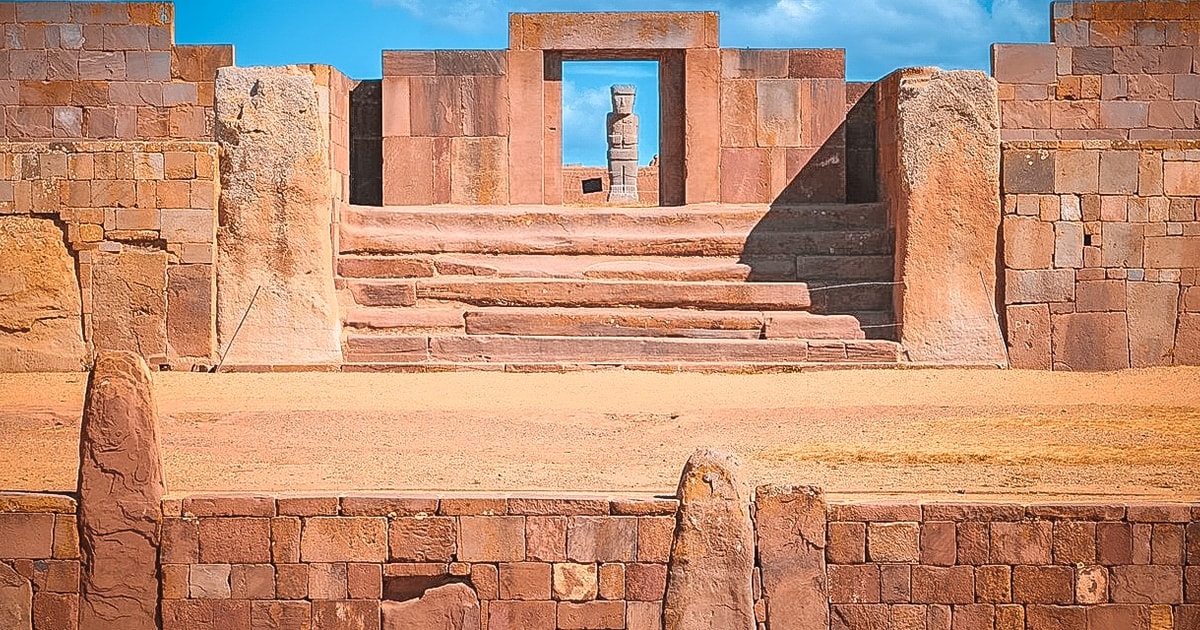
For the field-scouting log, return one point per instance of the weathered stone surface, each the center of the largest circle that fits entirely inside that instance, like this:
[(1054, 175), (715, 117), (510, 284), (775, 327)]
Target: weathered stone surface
[(1087, 342), (712, 558), (120, 494), (41, 324), (791, 525), (1153, 317), (450, 607), (129, 303), (276, 211), (16, 600), (945, 148)]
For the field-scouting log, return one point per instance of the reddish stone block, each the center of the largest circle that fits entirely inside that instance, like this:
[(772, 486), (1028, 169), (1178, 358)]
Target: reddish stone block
[(408, 171), (364, 581), (1090, 341), (974, 542), (860, 616), (1122, 617), (1043, 617), (645, 582), (366, 505), (285, 539), (328, 581), (291, 581), (739, 114), (1192, 538), (491, 539), (307, 506), (525, 580), (1021, 543), (645, 507), (557, 507), (486, 580), (1043, 585), (280, 615), (180, 541), (612, 581), (229, 505), (895, 583), (643, 616), (943, 585), (252, 581), (1151, 584), (345, 615), (973, 617), (422, 539), (854, 584), (1158, 513), (1141, 543), (745, 175), (893, 542), (847, 543), (235, 540), (183, 614), (828, 63), (546, 538), (655, 535), (473, 506), (939, 543), (1074, 542), (574, 616), (1029, 336), (1024, 63), (55, 611), (602, 539), (1028, 243), (1114, 543), (521, 615), (993, 584)]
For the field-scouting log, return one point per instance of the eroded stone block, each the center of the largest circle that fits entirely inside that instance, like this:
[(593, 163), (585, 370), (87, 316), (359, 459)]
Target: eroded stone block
[(40, 307)]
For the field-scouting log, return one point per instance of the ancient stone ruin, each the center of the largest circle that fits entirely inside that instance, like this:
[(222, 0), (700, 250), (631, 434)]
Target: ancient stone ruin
[(1043, 217)]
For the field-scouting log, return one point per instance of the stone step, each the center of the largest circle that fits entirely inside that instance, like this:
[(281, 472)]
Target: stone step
[(845, 268), (701, 217), (695, 269), (739, 296), (850, 296), (693, 231), (608, 322), (374, 349)]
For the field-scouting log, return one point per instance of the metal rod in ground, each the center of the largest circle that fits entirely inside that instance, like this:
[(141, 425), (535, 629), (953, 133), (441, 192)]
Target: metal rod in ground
[(237, 330)]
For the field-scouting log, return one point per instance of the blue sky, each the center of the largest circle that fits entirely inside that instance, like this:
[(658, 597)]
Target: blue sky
[(878, 35)]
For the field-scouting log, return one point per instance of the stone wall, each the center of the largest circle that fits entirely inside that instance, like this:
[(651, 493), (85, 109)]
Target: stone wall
[(530, 562), (39, 561), (1102, 254), (139, 218), (573, 176), (1116, 71), (783, 136), (92, 70)]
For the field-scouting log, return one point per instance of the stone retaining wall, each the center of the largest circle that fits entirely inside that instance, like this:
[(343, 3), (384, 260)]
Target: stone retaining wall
[(1102, 254)]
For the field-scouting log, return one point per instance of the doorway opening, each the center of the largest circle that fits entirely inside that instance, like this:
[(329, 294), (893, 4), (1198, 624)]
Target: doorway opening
[(587, 102)]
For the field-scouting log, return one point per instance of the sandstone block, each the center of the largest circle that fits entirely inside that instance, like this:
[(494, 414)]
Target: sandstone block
[(1024, 63), (709, 579), (1029, 336), (654, 536), (275, 198), (1147, 584), (645, 582), (575, 582), (491, 539), (525, 581), (1029, 172), (546, 538), (344, 539), (521, 615), (352, 614), (16, 600), (1029, 243), (1090, 341), (1153, 319), (1039, 285), (120, 495), (449, 607), (422, 539), (791, 530), (235, 540), (40, 309), (602, 538), (129, 303)]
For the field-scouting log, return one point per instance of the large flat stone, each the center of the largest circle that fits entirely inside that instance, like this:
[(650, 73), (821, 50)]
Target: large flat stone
[(449, 607), (276, 209), (712, 558), (611, 322), (781, 296), (1090, 342), (129, 303), (16, 600), (790, 524), (40, 309), (120, 494)]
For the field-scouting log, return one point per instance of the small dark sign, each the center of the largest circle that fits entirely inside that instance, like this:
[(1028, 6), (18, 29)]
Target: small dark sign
[(593, 185)]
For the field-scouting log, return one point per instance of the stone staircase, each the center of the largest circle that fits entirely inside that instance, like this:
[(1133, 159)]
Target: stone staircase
[(710, 287)]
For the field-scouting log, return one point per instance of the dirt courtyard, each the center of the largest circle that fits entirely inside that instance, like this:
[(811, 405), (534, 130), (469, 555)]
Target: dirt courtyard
[(927, 432)]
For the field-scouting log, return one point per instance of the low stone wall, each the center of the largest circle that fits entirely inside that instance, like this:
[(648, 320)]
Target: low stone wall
[(139, 220), (39, 561), (573, 176), (1102, 254)]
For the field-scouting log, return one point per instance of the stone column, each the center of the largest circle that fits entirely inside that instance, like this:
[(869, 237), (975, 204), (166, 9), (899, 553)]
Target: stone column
[(622, 128), (276, 217), (709, 579), (120, 497), (939, 168), (790, 523)]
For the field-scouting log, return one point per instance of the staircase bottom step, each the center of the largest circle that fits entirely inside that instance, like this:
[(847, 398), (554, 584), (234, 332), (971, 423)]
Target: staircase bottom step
[(726, 367), (360, 348)]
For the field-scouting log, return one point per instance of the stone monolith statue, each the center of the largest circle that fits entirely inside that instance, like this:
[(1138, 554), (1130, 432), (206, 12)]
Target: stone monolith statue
[(623, 146)]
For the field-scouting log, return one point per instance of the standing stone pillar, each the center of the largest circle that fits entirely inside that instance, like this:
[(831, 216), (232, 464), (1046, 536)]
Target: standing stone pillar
[(274, 237), (120, 497), (710, 577), (791, 523), (623, 146)]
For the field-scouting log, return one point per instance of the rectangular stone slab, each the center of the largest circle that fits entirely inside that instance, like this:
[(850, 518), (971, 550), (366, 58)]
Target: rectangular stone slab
[(610, 322), (612, 31), (604, 293)]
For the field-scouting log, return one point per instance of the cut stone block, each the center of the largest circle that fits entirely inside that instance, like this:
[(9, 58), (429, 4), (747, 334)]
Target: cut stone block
[(791, 525), (1090, 342), (449, 607), (40, 309)]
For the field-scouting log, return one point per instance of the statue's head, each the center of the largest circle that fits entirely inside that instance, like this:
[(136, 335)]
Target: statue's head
[(622, 98)]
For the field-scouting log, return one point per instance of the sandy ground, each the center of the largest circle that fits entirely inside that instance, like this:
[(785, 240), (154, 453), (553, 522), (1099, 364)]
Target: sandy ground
[(926, 432)]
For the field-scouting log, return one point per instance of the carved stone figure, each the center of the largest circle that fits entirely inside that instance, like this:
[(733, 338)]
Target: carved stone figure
[(623, 146)]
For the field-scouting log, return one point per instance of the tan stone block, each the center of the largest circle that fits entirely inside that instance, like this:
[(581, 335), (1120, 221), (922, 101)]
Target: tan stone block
[(893, 542), (1024, 63), (479, 175), (491, 538), (1181, 178), (1090, 341), (575, 582), (129, 303), (739, 114), (188, 226), (174, 194), (1028, 243), (702, 106), (1153, 320), (179, 165), (525, 581), (1119, 172), (408, 166), (745, 176)]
